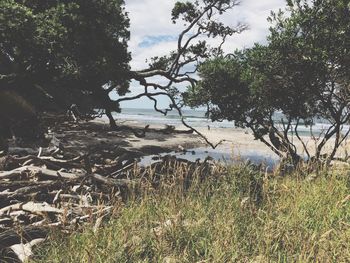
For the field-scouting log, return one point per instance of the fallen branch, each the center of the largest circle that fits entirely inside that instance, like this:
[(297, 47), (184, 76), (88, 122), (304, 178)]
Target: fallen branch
[(51, 174), (31, 207), (25, 235)]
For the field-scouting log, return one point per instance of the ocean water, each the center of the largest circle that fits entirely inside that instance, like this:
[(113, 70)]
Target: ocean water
[(196, 118)]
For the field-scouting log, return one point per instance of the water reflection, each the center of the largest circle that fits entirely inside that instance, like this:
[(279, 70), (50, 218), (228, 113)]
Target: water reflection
[(222, 155)]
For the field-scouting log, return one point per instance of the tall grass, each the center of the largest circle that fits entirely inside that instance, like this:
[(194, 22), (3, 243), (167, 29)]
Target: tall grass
[(236, 214)]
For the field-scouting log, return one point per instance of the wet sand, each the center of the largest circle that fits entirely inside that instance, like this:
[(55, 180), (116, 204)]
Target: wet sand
[(238, 142), (95, 136)]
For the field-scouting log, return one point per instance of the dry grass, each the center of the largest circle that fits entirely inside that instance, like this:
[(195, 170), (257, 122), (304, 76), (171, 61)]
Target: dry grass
[(235, 214)]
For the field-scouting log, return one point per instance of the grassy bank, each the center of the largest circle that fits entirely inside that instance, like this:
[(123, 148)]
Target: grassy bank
[(235, 215)]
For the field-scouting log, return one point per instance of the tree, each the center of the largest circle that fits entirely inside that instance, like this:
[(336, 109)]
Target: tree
[(322, 32), (200, 19), (301, 75), (66, 50)]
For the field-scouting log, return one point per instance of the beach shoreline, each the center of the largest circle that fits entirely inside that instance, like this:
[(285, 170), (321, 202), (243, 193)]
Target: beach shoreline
[(238, 142), (95, 136)]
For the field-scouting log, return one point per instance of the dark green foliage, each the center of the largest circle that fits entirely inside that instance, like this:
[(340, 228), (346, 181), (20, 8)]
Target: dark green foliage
[(187, 9), (302, 74), (66, 50), (218, 76), (75, 51)]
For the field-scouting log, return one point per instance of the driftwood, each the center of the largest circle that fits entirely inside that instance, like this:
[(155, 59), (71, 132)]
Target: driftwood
[(12, 237), (45, 188), (170, 129), (24, 251), (40, 191), (43, 173), (31, 207), (29, 151), (141, 133)]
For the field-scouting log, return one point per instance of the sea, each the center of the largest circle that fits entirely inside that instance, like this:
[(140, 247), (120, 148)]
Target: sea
[(196, 118)]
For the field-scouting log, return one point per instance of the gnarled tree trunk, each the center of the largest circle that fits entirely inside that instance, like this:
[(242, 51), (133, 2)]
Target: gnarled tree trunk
[(112, 123)]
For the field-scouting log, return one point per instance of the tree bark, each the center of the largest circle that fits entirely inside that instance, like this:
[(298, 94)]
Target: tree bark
[(106, 103), (112, 123)]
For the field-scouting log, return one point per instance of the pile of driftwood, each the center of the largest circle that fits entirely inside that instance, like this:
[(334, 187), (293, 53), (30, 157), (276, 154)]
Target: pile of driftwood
[(47, 190), (73, 182)]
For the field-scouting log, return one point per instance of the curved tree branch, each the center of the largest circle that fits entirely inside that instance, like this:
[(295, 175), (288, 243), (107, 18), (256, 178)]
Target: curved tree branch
[(186, 54)]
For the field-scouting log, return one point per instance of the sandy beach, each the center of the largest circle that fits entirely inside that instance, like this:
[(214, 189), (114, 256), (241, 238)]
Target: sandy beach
[(96, 137), (238, 142)]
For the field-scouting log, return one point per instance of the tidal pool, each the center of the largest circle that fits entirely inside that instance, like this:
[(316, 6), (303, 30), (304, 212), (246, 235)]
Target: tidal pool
[(224, 155)]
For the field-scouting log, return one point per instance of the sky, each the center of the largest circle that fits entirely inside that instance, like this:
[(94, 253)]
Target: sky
[(154, 34)]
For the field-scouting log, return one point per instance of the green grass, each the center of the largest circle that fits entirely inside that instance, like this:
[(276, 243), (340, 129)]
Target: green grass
[(238, 215)]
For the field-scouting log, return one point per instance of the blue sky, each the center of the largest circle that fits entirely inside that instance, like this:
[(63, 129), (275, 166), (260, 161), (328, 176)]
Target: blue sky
[(149, 41), (153, 33)]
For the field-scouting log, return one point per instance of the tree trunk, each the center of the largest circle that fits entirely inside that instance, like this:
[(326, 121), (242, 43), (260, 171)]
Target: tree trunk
[(105, 102), (112, 123)]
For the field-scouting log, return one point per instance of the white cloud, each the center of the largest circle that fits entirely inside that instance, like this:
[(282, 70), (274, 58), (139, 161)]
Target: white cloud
[(150, 20)]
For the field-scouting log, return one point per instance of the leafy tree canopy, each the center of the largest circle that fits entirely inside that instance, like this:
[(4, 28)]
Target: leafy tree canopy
[(71, 49), (64, 49), (301, 74)]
